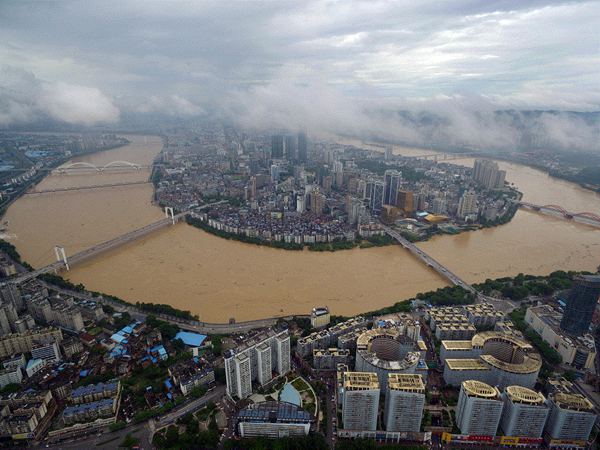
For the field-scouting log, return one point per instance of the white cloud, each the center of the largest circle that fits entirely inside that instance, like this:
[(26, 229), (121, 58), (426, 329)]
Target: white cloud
[(173, 105), (25, 98), (337, 66)]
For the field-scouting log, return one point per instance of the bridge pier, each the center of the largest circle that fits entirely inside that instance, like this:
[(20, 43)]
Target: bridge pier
[(169, 213), (61, 255)]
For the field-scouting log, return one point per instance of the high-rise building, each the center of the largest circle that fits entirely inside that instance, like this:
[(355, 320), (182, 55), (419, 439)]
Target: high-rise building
[(361, 189), (353, 208), (302, 147), (257, 359), (274, 173), (327, 182), (264, 364), (404, 402), (300, 203), (317, 202), (581, 304), (439, 206), (479, 408), (253, 188), (277, 146), (524, 413), (392, 179), (405, 201), (8, 317), (467, 205), (10, 294), (360, 403), (378, 189), (488, 174), (571, 417), (291, 148), (389, 153)]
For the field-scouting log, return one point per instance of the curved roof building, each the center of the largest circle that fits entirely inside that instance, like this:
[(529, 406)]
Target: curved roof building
[(384, 351), (492, 357)]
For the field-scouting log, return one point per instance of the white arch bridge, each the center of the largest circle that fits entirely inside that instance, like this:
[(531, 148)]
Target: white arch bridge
[(82, 166)]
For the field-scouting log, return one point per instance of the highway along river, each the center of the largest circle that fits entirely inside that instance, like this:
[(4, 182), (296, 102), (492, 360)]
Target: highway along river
[(219, 279)]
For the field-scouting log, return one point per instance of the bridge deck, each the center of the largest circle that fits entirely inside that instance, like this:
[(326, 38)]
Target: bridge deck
[(435, 265), (107, 245), (83, 188)]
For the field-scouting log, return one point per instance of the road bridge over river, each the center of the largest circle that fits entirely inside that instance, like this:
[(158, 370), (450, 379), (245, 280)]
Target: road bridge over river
[(499, 304), (588, 218), (435, 265), (65, 262), (83, 188)]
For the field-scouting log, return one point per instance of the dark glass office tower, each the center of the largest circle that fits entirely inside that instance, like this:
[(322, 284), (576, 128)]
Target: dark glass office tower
[(302, 147), (277, 146), (581, 304)]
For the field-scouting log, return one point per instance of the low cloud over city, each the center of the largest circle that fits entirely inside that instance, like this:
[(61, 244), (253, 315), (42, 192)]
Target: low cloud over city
[(462, 74)]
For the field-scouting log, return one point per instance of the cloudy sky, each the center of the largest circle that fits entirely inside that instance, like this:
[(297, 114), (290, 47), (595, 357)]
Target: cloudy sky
[(305, 63)]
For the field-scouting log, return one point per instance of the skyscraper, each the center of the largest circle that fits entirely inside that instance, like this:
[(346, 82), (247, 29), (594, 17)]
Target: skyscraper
[(290, 148), (404, 402), (581, 304), (257, 360), (524, 413), (479, 408), (467, 205), (405, 201), (377, 196), (389, 153), (360, 401), (571, 418), (488, 174), (274, 173), (277, 146), (302, 147), (392, 184)]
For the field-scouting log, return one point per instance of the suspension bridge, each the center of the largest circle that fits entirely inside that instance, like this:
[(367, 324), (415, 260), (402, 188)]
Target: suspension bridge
[(64, 262)]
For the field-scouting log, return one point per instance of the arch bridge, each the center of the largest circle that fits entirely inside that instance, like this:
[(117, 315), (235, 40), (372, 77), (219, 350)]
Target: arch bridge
[(82, 166), (589, 218)]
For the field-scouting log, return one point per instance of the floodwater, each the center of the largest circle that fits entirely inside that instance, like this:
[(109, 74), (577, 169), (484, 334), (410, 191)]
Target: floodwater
[(220, 279)]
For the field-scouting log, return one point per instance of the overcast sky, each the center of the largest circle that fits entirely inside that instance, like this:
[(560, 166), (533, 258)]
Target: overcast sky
[(84, 62)]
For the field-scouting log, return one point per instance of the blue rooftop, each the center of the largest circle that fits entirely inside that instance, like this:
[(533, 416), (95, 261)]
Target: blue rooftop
[(118, 350), (117, 337), (289, 394), (33, 362), (191, 339), (94, 388), (71, 410)]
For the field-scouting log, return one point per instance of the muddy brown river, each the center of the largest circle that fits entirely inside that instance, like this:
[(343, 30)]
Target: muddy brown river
[(219, 279)]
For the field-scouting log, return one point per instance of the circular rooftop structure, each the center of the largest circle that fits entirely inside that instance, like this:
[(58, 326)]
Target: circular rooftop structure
[(520, 394), (576, 402), (384, 351), (507, 353), (479, 389)]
